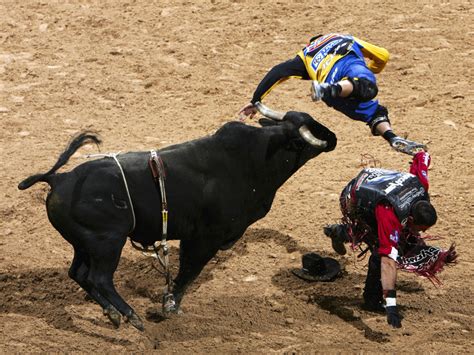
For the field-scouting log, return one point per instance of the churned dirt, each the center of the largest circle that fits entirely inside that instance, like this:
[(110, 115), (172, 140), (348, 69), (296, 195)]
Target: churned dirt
[(149, 74)]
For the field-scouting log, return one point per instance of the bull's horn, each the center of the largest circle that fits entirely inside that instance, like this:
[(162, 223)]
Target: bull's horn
[(267, 112), (308, 137)]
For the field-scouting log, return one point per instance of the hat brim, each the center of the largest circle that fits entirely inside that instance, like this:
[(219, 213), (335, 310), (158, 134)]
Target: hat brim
[(333, 269)]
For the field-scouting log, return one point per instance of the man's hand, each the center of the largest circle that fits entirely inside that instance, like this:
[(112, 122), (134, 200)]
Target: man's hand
[(406, 146), (324, 90), (247, 110), (393, 317)]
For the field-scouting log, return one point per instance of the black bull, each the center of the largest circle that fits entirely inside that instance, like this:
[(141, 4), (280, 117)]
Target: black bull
[(216, 187)]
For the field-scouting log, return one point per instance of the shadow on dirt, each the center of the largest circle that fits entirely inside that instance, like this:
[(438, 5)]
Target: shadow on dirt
[(264, 235), (47, 293), (343, 308), (327, 295)]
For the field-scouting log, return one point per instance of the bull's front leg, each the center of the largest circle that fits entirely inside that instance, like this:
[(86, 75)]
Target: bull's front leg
[(193, 256)]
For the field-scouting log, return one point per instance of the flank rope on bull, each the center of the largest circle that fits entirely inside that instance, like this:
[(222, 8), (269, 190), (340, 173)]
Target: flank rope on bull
[(157, 168)]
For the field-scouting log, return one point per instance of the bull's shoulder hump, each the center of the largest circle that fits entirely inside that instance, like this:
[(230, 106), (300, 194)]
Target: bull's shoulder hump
[(235, 129), (234, 135)]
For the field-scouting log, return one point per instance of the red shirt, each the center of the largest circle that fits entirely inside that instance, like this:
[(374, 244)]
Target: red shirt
[(389, 228)]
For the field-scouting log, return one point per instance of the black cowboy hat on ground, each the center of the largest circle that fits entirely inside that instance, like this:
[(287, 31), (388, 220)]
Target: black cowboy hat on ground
[(317, 268)]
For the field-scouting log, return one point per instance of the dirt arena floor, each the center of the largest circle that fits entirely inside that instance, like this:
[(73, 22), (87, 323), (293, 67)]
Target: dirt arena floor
[(149, 74)]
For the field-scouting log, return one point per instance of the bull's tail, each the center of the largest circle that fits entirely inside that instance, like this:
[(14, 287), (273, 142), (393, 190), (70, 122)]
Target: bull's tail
[(75, 143)]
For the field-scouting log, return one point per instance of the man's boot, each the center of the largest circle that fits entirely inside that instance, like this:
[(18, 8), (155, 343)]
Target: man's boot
[(338, 235)]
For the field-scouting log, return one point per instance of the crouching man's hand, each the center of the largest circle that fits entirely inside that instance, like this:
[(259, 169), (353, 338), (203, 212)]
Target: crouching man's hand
[(393, 317)]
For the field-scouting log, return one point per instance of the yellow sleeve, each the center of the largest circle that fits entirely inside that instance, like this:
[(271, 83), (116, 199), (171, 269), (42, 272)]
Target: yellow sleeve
[(377, 56)]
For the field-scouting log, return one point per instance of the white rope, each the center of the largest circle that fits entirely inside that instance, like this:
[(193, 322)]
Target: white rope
[(114, 156)]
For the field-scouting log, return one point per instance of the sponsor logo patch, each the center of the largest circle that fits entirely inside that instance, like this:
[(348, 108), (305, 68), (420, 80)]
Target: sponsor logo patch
[(397, 183), (395, 237), (323, 52)]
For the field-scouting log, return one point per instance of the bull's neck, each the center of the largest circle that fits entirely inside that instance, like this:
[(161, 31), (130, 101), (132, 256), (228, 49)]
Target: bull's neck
[(277, 171)]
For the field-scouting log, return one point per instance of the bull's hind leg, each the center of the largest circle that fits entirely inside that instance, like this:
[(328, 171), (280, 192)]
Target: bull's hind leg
[(193, 256), (104, 260), (79, 272)]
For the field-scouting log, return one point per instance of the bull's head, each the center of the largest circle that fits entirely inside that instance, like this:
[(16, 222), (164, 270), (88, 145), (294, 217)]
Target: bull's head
[(294, 138), (305, 132), (312, 132)]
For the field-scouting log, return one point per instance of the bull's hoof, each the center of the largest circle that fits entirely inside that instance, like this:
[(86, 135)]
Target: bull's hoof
[(155, 316), (114, 315), (178, 311), (169, 304), (135, 320), (169, 311)]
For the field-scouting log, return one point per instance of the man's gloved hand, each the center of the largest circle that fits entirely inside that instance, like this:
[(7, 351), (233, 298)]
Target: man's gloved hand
[(324, 90), (393, 317), (406, 146)]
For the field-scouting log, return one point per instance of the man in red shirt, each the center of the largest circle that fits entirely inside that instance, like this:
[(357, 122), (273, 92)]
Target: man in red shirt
[(387, 210)]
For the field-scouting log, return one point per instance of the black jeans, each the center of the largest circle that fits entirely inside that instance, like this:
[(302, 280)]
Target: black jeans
[(373, 292)]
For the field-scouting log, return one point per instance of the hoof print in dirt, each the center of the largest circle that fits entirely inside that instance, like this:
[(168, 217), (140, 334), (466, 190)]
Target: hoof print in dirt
[(155, 316)]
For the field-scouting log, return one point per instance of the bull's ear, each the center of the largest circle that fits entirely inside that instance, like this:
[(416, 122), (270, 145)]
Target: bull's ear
[(267, 122)]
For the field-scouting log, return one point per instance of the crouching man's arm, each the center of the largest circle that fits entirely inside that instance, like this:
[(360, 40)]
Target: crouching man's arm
[(389, 278)]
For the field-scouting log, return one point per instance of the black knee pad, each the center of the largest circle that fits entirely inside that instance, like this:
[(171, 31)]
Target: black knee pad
[(364, 89)]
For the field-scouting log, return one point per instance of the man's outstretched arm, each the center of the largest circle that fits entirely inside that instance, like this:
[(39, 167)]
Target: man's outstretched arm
[(293, 68)]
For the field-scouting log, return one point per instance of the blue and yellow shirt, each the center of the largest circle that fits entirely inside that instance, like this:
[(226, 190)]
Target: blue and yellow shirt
[(324, 52), (331, 58)]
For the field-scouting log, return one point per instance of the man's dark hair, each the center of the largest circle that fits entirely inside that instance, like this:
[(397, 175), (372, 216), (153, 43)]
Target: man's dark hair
[(424, 214)]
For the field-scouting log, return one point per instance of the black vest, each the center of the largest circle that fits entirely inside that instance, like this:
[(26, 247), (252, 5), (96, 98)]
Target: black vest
[(373, 186)]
